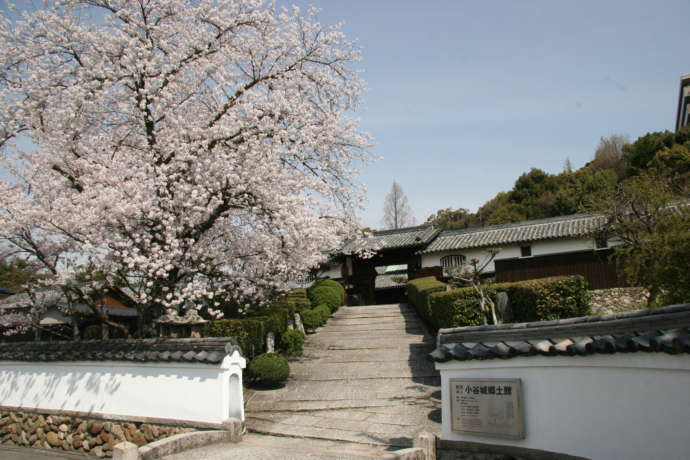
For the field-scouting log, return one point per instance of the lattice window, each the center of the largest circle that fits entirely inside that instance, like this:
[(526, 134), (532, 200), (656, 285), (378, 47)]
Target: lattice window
[(455, 260)]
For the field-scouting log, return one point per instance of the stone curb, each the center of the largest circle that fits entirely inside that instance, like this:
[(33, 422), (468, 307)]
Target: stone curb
[(414, 453), (178, 443)]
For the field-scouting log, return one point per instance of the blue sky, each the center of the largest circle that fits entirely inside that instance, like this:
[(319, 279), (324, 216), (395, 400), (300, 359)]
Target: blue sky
[(464, 96)]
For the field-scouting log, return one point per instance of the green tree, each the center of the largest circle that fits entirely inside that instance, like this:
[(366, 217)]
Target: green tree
[(652, 218), (452, 219), (15, 273)]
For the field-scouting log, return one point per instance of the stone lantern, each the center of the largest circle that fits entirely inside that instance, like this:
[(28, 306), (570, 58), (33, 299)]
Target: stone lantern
[(173, 325)]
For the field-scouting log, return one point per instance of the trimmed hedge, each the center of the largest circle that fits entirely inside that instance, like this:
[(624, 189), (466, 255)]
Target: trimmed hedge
[(325, 295), (454, 308), (325, 313), (294, 300), (292, 341), (541, 299), (311, 319), (269, 368), (332, 284), (546, 299), (250, 333), (418, 291)]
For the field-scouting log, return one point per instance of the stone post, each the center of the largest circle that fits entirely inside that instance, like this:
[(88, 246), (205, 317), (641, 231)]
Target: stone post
[(126, 451), (231, 384), (427, 442), (270, 342), (298, 323)]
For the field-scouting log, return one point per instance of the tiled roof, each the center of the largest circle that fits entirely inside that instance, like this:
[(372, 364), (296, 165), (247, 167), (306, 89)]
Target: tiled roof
[(409, 237), (656, 330), (207, 350), (576, 225)]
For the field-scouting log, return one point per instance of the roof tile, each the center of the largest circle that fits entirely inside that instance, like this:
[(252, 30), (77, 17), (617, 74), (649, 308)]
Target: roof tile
[(664, 330)]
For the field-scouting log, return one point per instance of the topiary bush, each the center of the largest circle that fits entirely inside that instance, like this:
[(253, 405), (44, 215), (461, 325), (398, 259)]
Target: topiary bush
[(418, 291), (325, 295), (332, 284), (324, 312), (292, 341), (311, 319), (454, 308), (546, 299), (269, 369)]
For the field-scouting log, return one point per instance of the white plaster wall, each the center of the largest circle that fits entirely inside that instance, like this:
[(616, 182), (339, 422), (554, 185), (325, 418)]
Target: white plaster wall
[(545, 247), (194, 392), (508, 252), (602, 407), (539, 248)]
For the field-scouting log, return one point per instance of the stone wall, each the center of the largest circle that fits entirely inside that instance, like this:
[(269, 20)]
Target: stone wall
[(95, 437), (615, 300)]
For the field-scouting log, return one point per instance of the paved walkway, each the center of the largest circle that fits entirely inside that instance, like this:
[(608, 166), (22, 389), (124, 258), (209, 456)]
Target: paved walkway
[(364, 378), (363, 387)]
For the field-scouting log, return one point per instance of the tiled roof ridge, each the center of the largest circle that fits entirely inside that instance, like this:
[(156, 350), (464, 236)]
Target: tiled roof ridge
[(209, 350), (393, 231), (522, 223), (664, 329)]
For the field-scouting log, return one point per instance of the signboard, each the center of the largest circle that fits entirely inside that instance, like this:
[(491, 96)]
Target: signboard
[(487, 407)]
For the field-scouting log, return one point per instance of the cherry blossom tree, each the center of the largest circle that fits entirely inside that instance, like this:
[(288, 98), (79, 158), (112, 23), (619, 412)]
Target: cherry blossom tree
[(184, 150)]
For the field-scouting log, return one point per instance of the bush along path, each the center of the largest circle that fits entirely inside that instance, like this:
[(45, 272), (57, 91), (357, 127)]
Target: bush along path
[(363, 382)]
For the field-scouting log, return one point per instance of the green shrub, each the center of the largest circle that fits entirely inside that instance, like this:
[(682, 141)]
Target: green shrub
[(324, 312), (547, 299), (311, 319), (332, 284), (533, 300), (92, 332), (250, 333), (292, 341), (269, 368), (418, 291), (454, 308), (325, 295), (294, 300)]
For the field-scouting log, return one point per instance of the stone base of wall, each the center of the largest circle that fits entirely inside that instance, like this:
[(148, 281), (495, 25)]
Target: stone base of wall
[(95, 437), (616, 300)]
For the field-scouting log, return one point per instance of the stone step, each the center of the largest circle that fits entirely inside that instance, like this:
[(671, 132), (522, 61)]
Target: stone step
[(401, 439)]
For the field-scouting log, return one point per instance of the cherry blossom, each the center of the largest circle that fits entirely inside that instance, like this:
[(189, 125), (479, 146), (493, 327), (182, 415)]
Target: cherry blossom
[(185, 149)]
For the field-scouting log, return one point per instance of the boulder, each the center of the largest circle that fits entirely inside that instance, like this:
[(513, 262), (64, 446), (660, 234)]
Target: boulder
[(95, 428), (53, 439)]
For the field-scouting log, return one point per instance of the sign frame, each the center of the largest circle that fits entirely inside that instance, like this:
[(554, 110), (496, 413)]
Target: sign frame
[(517, 431)]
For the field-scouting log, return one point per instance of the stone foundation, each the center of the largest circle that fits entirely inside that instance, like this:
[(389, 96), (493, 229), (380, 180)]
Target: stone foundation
[(95, 437), (616, 300)]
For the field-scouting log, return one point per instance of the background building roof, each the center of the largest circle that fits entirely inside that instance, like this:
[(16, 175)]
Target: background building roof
[(572, 226), (408, 237), (655, 330)]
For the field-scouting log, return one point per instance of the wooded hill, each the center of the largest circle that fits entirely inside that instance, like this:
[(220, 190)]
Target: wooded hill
[(537, 194)]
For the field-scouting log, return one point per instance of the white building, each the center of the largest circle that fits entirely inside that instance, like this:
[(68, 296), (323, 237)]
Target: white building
[(531, 249), (601, 388)]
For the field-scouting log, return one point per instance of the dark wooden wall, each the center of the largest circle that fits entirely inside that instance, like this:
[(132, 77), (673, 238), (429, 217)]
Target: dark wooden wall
[(595, 266)]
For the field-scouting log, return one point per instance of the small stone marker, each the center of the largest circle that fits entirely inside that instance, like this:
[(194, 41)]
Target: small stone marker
[(503, 307), (487, 407), (270, 342), (298, 323)]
